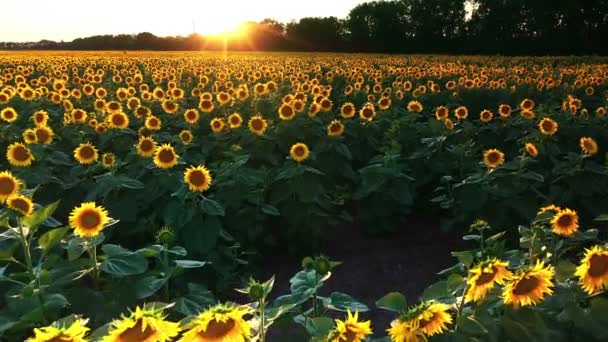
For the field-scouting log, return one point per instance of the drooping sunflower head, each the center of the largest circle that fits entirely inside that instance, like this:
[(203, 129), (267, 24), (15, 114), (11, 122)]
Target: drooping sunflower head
[(219, 323), (86, 154), (198, 178), (18, 154), (548, 126), (593, 270), (406, 331), (335, 128), (484, 276), (299, 152), (565, 222), (142, 325), (9, 185), (21, 204), (529, 286), (531, 150), (434, 318), (75, 332), (549, 208), (89, 219), (448, 123), (493, 158), (351, 329), (588, 146), (257, 125), (165, 157)]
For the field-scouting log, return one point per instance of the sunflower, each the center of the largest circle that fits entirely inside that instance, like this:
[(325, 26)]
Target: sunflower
[(529, 286), (486, 116), (153, 123), (493, 158), (257, 125), (483, 277), (593, 270), (141, 112), (108, 160), (405, 331), (146, 147), (235, 120), (347, 110), (449, 124), (415, 106), (434, 319), (526, 104), (186, 136), (335, 128), (113, 107), (142, 325), (548, 126), (325, 104), (88, 220), (44, 135), (206, 106), (217, 125), (86, 154), (441, 113), (170, 107), (198, 178), (531, 150), (350, 330), (286, 112), (165, 157), (565, 222), (461, 112), (29, 136), (221, 323), (367, 113), (223, 98), (20, 204), (9, 114), (40, 118), (118, 120), (75, 332), (588, 145), (504, 110), (18, 154), (9, 185), (299, 152)]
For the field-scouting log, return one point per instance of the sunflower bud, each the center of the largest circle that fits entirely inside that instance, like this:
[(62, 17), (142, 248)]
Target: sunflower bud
[(165, 236)]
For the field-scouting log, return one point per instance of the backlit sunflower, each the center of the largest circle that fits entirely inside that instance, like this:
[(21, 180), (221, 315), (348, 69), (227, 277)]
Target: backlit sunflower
[(448, 123), (221, 323), (486, 116), (548, 126), (526, 104), (86, 154), (384, 103), (286, 112), (588, 146), (461, 112), (75, 332), (146, 147), (504, 110), (367, 113), (299, 152), (593, 270), (257, 125), (217, 125), (18, 154), (335, 128), (442, 113), (9, 115), (88, 220), (484, 276), (565, 222), (165, 157), (235, 120), (9, 185), (118, 120), (350, 330), (347, 110), (20, 204), (186, 136), (108, 160), (493, 158), (191, 116), (414, 106), (198, 178), (529, 286), (531, 150), (142, 325)]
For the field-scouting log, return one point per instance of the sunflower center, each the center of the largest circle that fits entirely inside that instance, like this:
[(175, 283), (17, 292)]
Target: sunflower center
[(486, 277), (20, 204), (367, 112), (20, 153), (42, 135), (90, 219), (335, 128), (146, 145), (8, 114), (588, 145), (87, 152), (136, 333), (118, 119), (191, 116), (7, 186), (153, 122), (493, 158), (217, 329), (526, 285), (299, 151), (348, 110), (166, 156), (350, 335), (425, 322), (598, 265), (287, 111), (197, 178), (257, 124), (564, 221), (547, 126)]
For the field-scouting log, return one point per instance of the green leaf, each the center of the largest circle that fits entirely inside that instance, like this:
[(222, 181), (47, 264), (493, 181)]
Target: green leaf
[(435, 291), (40, 215), (319, 326), (211, 207), (516, 331), (77, 245), (51, 238), (342, 302), (147, 286), (270, 210), (469, 325), (393, 301), (602, 218), (198, 298), (465, 257), (125, 264), (564, 270), (190, 263)]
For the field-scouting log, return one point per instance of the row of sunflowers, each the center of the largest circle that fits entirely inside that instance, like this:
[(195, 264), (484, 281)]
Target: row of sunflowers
[(239, 155)]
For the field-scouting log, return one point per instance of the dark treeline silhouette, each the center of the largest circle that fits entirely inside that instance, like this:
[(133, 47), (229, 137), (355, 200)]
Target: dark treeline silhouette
[(509, 27)]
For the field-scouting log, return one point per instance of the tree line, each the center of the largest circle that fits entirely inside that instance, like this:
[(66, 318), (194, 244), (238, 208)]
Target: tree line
[(509, 27)]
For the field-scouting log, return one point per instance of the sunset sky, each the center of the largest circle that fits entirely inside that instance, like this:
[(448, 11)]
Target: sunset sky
[(57, 20)]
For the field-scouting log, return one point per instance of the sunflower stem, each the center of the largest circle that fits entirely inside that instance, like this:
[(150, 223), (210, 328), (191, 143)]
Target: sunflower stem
[(93, 255), (30, 268), (461, 306), (166, 266), (262, 308)]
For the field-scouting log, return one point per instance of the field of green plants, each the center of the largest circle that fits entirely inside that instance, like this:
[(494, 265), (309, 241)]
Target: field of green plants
[(137, 192)]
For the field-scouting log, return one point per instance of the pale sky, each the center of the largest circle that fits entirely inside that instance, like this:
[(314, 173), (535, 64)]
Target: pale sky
[(33, 20)]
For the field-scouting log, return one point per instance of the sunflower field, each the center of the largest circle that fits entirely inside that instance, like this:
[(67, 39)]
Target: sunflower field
[(136, 190)]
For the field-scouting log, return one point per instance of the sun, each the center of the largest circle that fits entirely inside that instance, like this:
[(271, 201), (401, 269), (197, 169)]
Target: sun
[(222, 28)]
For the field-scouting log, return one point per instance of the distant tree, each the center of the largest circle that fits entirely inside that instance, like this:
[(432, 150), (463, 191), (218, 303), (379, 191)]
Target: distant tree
[(316, 34)]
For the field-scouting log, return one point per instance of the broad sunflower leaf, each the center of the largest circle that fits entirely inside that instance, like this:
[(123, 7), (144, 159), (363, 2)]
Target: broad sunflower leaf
[(51, 238), (393, 301), (125, 264)]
